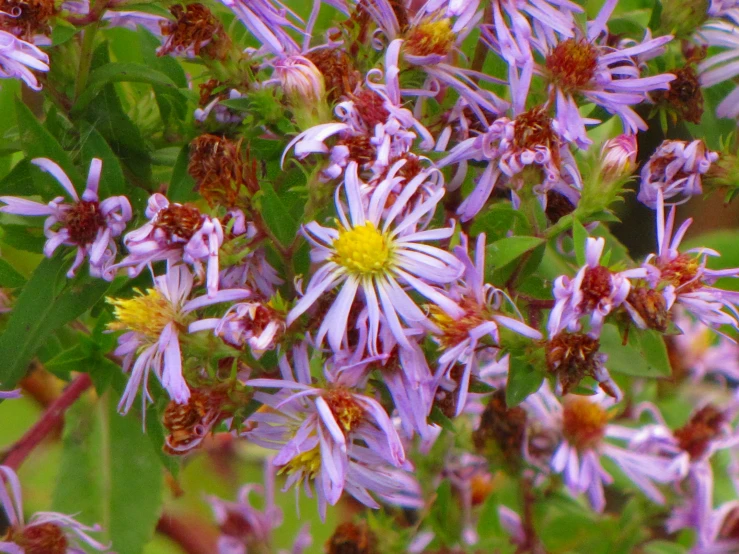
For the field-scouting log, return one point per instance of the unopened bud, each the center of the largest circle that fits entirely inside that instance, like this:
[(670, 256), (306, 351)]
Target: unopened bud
[(618, 157), (305, 89)]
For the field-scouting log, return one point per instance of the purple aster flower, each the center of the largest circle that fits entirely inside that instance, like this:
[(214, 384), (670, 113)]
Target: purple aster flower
[(724, 8), (332, 437), (47, 532), (618, 157), (253, 272), (374, 250), (375, 129), (595, 290), (683, 278), (723, 65), (580, 425), (18, 58), (701, 353), (463, 338), (244, 528), (511, 148), (607, 76), (153, 322), (87, 223), (675, 168), (175, 232), (269, 23), (253, 324)]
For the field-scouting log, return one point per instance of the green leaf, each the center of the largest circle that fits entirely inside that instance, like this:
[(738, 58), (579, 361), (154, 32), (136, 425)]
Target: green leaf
[(523, 379), (444, 517), (277, 213), (497, 221), (663, 547), (580, 238), (645, 354), (504, 251), (182, 186), (19, 182), (9, 277), (112, 181), (116, 72), (109, 474), (172, 103), (47, 302), (39, 143)]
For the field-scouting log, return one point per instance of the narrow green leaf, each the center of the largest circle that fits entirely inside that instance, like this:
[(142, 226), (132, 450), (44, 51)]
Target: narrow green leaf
[(504, 251), (645, 354), (116, 72), (109, 474), (497, 221), (112, 181), (580, 237), (523, 380), (9, 277), (277, 214), (182, 186), (47, 302)]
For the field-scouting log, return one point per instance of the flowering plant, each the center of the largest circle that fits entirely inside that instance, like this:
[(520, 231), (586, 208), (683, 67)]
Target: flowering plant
[(439, 269)]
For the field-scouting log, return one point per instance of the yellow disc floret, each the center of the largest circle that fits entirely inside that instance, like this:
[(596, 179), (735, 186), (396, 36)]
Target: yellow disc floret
[(363, 250), (147, 314), (308, 462), (431, 37)]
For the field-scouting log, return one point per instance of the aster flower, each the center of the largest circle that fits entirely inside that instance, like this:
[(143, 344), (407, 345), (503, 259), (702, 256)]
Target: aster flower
[(511, 148), (606, 76), (721, 66), (175, 232), (47, 532), (683, 278), (594, 291), (153, 322), (10, 394), (700, 353), (321, 435), (253, 272), (462, 337), (87, 223), (243, 527), (375, 129), (18, 58), (618, 157), (269, 22), (374, 251), (255, 324), (582, 430), (675, 168)]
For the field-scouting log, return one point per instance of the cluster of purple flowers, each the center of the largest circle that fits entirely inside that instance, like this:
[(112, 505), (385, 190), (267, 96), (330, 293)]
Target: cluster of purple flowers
[(406, 320)]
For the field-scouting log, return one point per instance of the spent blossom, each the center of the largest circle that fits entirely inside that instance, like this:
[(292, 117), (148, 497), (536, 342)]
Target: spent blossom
[(87, 223)]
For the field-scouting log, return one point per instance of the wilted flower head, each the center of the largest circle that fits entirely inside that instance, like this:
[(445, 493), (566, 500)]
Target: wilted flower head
[(87, 223), (44, 532), (195, 31), (675, 168)]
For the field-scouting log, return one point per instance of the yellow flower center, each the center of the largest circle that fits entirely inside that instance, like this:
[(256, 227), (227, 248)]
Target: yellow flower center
[(431, 37), (584, 422), (308, 462), (147, 314), (363, 250)]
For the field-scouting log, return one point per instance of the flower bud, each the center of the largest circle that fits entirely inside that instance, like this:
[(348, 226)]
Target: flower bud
[(618, 157), (304, 87)]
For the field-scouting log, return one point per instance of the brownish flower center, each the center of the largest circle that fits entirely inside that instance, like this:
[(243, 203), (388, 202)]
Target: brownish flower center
[(584, 422), (430, 37), (345, 408), (695, 436), (685, 96), (571, 356), (682, 272), (337, 68), (180, 221), (371, 108), (83, 221), (189, 423), (352, 538), (572, 64), (44, 538), (596, 286), (221, 169), (27, 17), (651, 306), (534, 128), (501, 430)]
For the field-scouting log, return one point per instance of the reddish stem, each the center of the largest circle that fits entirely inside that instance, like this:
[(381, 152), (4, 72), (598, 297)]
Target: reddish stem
[(190, 533), (49, 421)]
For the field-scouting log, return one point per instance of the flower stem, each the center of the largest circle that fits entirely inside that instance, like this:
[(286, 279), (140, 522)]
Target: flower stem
[(49, 421)]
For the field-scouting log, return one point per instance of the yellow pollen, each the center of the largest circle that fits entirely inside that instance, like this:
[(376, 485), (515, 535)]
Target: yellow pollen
[(147, 314), (584, 422), (431, 37), (308, 462), (363, 250)]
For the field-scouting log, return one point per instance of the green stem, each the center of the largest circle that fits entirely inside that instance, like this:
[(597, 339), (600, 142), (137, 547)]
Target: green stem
[(88, 44)]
